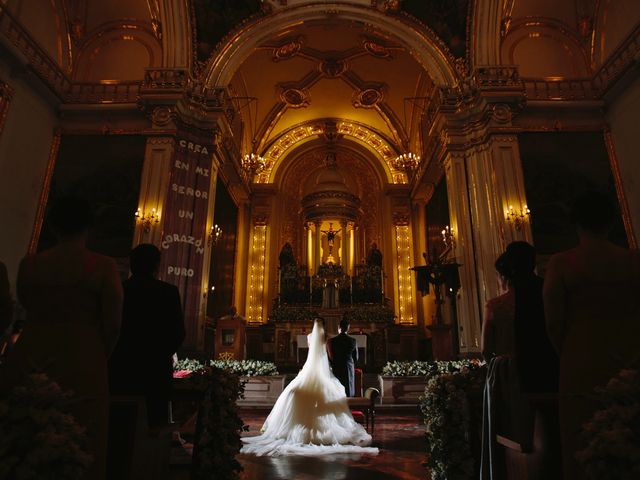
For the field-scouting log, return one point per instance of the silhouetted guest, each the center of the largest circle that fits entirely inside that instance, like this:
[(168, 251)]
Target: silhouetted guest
[(374, 257), (73, 302), (521, 362), (592, 310), (152, 331), (537, 360)]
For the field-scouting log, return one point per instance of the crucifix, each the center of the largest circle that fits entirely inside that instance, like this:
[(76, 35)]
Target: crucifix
[(331, 235)]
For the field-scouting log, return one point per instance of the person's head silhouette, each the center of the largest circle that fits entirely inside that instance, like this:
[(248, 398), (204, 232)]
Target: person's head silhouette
[(593, 213), (144, 260), (70, 217), (344, 326)]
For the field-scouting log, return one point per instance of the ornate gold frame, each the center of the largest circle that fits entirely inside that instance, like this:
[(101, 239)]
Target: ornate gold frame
[(622, 198), (44, 192)]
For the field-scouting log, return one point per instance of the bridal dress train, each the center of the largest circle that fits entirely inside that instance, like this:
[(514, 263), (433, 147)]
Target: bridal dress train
[(311, 416)]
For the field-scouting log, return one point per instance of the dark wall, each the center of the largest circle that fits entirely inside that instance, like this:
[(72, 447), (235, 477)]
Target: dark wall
[(437, 212), (223, 254), (106, 170), (558, 167)]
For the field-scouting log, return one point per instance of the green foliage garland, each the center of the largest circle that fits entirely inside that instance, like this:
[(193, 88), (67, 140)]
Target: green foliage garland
[(427, 369), (246, 368), (451, 406), (243, 368), (218, 429)]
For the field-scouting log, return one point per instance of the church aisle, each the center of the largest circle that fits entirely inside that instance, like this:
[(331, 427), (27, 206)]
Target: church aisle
[(399, 434)]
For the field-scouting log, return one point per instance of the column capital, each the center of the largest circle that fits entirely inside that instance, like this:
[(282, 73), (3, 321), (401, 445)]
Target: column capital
[(401, 219)]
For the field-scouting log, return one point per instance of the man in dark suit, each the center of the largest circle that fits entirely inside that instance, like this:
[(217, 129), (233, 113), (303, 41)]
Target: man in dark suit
[(343, 354), (152, 330)]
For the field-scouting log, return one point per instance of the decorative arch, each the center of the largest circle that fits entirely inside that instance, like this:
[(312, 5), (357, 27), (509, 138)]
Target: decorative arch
[(428, 50), (487, 20), (348, 148), (360, 137), (118, 34), (559, 51)]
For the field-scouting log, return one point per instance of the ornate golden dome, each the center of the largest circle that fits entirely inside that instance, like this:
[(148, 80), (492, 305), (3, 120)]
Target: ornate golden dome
[(330, 197)]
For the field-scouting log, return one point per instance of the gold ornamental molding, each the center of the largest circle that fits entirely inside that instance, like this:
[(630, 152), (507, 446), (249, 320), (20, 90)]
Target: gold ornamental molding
[(157, 81), (412, 35), (373, 141), (401, 219), (260, 219), (44, 192), (622, 198)]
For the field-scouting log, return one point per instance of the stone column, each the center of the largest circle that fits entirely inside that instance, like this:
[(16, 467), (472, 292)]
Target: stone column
[(304, 255), (468, 308), (317, 257), (345, 247), (154, 186), (495, 184)]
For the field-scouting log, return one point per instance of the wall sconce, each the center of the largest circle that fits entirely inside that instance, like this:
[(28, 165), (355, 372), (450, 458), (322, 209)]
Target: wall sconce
[(214, 234), (517, 218), (448, 238), (406, 162), (253, 164), (147, 220)]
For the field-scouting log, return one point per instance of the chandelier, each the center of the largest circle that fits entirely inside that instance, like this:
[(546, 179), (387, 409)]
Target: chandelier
[(252, 163), (406, 162)]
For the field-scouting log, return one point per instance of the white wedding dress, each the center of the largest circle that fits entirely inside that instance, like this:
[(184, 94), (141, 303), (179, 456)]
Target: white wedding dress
[(311, 416)]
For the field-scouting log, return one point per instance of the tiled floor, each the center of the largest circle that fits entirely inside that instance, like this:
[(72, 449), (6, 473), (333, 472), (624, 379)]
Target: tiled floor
[(399, 434)]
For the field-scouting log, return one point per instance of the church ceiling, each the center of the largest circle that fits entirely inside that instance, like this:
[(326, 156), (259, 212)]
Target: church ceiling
[(330, 69), (447, 18), (214, 19)]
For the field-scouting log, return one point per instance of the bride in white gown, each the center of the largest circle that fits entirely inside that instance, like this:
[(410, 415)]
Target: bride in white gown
[(311, 416)]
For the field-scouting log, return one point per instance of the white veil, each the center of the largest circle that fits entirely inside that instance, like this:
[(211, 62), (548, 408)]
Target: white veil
[(311, 416), (317, 360)]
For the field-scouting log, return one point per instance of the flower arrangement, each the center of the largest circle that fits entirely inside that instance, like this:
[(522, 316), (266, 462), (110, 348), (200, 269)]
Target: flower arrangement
[(243, 368), (246, 368), (427, 369), (187, 365), (38, 439), (375, 313), (218, 428), (292, 314), (451, 406), (612, 435)]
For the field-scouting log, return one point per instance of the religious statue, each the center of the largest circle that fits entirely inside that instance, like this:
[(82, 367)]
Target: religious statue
[(286, 256), (331, 235), (374, 257), (288, 279)]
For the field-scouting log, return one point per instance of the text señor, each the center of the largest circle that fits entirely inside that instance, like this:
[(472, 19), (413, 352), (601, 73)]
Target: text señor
[(189, 192)]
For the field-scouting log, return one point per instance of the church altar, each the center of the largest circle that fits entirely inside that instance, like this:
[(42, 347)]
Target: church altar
[(361, 344), (284, 342)]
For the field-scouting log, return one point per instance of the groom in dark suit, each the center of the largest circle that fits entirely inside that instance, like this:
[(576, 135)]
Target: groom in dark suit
[(343, 354)]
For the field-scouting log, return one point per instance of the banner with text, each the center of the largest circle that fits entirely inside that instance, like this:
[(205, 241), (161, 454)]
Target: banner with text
[(185, 218)]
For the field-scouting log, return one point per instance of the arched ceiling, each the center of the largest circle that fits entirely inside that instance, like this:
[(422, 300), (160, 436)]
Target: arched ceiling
[(94, 40), (331, 68)]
